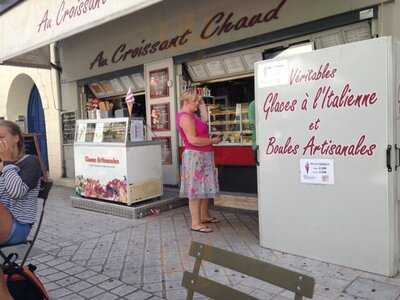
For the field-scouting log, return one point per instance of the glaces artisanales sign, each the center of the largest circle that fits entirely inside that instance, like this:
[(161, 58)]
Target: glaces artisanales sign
[(219, 24)]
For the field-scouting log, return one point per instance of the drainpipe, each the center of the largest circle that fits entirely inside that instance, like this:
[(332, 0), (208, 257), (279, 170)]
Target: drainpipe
[(56, 66)]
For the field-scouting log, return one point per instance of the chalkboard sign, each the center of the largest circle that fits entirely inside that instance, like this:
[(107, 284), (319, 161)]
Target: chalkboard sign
[(68, 127)]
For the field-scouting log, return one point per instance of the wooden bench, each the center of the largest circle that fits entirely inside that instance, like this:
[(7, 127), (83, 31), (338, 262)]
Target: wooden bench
[(301, 285)]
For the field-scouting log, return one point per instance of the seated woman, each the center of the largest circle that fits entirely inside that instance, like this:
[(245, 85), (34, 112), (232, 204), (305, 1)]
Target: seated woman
[(19, 185), (19, 188)]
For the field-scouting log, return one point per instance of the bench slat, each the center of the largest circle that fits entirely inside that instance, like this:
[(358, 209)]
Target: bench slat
[(212, 289), (298, 283)]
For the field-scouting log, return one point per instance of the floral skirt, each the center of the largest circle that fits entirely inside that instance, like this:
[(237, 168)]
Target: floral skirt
[(199, 178)]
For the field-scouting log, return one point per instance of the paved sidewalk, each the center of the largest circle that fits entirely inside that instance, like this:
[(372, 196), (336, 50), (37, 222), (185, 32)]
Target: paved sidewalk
[(86, 255)]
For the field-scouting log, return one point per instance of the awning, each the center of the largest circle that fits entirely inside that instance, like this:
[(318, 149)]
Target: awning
[(39, 58), (27, 30)]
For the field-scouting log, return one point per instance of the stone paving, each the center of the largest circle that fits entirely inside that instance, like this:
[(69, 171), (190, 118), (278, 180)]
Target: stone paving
[(87, 255)]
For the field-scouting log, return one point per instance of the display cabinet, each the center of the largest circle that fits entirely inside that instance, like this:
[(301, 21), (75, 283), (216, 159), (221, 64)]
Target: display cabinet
[(102, 130), (231, 123), (109, 167)]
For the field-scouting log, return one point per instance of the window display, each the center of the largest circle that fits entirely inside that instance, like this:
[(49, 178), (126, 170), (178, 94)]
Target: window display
[(228, 110), (102, 131), (231, 123), (159, 84), (160, 117)]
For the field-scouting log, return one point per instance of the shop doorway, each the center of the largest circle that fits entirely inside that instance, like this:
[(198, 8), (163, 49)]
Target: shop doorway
[(24, 106), (37, 122)]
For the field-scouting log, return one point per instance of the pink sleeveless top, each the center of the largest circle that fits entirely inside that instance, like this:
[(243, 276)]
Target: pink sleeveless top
[(201, 131)]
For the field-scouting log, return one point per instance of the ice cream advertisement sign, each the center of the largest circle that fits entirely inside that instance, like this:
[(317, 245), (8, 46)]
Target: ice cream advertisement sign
[(323, 96), (108, 183)]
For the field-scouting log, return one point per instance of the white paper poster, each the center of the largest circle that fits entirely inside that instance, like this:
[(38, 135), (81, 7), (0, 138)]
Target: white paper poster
[(98, 133), (317, 171), (137, 130), (273, 73), (81, 133)]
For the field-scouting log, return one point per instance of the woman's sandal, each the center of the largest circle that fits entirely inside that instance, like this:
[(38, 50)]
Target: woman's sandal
[(202, 229), (211, 220)]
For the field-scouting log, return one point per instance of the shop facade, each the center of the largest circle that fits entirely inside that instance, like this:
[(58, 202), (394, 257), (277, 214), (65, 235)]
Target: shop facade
[(208, 46), (212, 47), (160, 50)]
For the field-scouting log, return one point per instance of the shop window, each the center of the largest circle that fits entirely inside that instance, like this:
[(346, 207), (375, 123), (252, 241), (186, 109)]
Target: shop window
[(105, 98), (347, 34), (236, 64)]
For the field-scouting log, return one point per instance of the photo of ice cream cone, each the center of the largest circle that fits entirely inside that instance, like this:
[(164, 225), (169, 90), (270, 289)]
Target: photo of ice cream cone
[(130, 100)]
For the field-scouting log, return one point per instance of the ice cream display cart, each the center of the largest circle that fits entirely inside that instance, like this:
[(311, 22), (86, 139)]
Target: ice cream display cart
[(110, 167)]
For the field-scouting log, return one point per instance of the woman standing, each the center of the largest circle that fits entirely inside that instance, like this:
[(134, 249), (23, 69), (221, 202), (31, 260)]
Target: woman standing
[(198, 177), (19, 188)]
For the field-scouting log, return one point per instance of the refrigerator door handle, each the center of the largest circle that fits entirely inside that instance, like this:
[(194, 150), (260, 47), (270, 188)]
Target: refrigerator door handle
[(389, 158), (397, 157), (255, 151)]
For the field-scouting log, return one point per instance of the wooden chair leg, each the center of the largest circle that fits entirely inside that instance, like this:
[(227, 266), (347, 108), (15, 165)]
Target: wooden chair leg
[(196, 270), (298, 297)]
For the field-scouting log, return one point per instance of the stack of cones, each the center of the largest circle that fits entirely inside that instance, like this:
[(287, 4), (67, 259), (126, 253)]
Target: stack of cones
[(130, 100)]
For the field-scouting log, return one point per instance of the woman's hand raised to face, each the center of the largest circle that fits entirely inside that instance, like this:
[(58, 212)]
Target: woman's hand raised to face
[(216, 140), (6, 153)]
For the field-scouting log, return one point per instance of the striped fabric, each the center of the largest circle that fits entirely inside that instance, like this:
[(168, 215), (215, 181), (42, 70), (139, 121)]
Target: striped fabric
[(18, 197)]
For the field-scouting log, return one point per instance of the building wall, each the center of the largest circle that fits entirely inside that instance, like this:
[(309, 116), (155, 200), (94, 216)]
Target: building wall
[(70, 102), (388, 23), (15, 87)]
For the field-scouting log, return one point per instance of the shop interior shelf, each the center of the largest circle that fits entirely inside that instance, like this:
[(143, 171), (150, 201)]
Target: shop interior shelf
[(228, 122), (232, 144), (235, 120), (232, 131), (227, 112), (208, 97), (227, 132)]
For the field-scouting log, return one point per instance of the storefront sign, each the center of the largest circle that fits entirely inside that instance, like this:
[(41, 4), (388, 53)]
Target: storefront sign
[(224, 22), (219, 24), (36, 23), (318, 93), (317, 171), (132, 41)]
